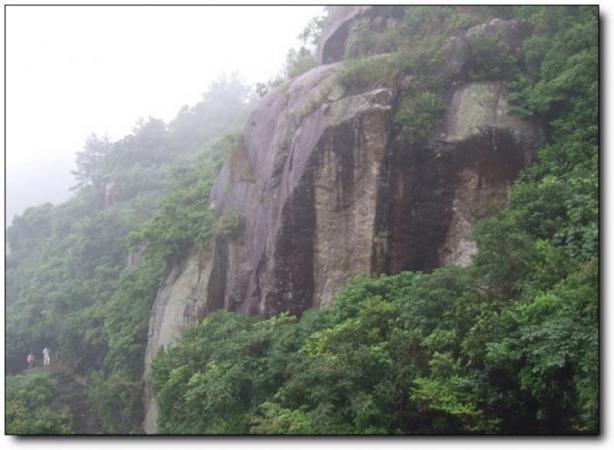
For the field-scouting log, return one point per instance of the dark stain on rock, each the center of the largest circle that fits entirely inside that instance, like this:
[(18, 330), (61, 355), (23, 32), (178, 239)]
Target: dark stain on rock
[(290, 285), (343, 145), (216, 289), (421, 186)]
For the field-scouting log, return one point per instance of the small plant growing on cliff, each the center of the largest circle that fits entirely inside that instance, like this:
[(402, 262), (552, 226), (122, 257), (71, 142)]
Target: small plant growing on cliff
[(314, 102), (359, 73), (239, 163), (489, 60), (360, 41), (418, 114), (228, 226), (299, 62)]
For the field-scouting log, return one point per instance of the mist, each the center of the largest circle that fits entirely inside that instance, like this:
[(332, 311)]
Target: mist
[(76, 71)]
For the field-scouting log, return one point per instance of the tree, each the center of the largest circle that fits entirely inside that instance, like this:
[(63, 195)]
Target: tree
[(91, 162), (299, 62), (223, 109), (312, 33)]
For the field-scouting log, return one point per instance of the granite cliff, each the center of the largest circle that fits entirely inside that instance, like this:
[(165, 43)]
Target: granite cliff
[(327, 187)]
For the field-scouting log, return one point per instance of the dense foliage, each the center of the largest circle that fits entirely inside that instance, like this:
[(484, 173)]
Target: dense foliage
[(30, 407), (506, 345)]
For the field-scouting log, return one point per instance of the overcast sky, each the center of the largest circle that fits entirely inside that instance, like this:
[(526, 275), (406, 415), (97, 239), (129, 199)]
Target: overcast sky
[(72, 71)]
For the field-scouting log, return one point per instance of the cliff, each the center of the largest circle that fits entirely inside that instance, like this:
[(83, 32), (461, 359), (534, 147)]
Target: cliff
[(327, 186)]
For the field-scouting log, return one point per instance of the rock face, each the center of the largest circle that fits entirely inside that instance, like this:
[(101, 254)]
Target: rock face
[(334, 36), (327, 189), (435, 194), (180, 303), (344, 21)]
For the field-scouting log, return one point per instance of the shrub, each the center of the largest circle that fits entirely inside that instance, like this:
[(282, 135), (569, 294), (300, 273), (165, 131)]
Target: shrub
[(356, 74), (360, 41), (418, 114), (228, 226), (297, 63), (238, 162), (489, 60)]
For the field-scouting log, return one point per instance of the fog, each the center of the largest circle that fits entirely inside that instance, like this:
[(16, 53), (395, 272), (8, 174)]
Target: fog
[(72, 71)]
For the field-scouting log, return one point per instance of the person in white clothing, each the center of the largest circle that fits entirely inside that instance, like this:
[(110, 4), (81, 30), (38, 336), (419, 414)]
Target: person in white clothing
[(45, 356)]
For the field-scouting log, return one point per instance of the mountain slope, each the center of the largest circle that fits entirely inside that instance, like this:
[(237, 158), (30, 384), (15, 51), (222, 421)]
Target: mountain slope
[(401, 238)]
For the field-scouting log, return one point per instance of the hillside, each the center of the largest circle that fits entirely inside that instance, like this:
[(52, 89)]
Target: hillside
[(400, 237)]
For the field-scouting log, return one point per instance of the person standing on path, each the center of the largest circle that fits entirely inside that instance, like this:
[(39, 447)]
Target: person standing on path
[(30, 359), (45, 356)]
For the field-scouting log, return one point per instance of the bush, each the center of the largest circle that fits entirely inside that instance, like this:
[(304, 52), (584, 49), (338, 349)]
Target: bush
[(418, 114), (356, 74), (228, 226), (489, 60), (360, 41), (297, 63)]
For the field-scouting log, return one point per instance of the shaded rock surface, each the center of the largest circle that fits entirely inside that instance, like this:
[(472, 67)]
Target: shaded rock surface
[(327, 189), (344, 21)]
